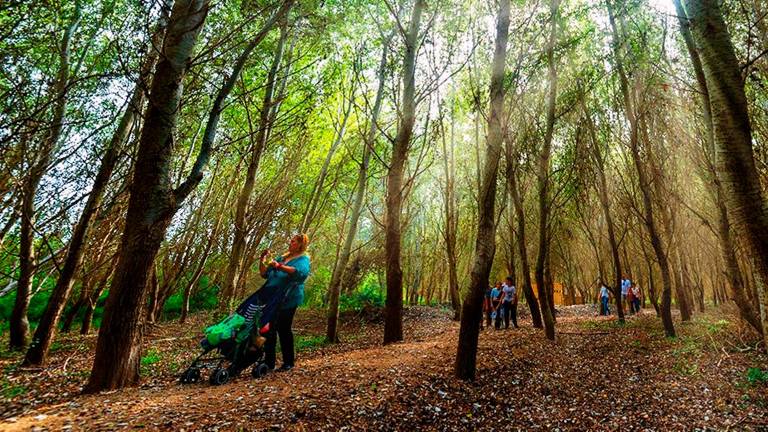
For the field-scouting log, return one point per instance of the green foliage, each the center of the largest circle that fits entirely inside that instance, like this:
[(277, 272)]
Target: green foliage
[(151, 358), (316, 287), (370, 293), (718, 326), (757, 376), (10, 390), (308, 342), (205, 297), (37, 303)]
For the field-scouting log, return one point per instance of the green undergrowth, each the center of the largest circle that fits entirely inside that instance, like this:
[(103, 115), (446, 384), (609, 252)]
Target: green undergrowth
[(757, 376), (149, 360), (10, 390), (610, 325)]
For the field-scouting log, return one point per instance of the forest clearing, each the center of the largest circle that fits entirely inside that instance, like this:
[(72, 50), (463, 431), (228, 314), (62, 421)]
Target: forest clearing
[(598, 376), (333, 214)]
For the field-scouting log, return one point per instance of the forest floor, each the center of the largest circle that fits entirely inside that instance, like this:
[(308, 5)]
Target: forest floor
[(598, 375)]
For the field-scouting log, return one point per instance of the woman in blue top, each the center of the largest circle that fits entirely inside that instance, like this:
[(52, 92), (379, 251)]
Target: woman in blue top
[(285, 277)]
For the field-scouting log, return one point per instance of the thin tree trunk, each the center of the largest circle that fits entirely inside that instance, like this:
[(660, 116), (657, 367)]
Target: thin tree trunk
[(332, 334), (648, 216), (90, 304), (605, 205), (202, 260), (46, 329), (69, 316), (236, 256), (317, 188), (393, 313), (19, 325), (544, 180), (485, 244), (525, 268), (451, 220)]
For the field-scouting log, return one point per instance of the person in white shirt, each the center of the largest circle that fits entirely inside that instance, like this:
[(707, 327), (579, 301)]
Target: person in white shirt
[(604, 296), (509, 302)]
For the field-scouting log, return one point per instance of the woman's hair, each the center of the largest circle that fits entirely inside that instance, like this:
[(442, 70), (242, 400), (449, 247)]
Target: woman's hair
[(303, 240)]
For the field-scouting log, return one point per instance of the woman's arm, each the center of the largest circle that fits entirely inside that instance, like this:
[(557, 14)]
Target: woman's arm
[(300, 267), (284, 268)]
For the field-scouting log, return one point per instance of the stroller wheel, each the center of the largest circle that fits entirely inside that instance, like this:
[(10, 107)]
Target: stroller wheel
[(259, 370), (219, 377), (191, 375)]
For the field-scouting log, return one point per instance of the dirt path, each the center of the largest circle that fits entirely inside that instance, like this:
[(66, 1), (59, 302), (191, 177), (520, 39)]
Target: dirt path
[(597, 376), (265, 403)]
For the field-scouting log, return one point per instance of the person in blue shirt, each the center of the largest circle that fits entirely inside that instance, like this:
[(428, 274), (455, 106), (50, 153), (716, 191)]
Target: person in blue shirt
[(487, 310), (496, 305), (625, 284), (285, 277)]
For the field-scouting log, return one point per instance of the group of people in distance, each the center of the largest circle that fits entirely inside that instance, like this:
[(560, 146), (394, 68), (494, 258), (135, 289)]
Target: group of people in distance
[(630, 294), (500, 304)]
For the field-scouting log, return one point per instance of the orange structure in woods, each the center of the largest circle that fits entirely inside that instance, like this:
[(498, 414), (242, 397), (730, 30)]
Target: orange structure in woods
[(562, 295)]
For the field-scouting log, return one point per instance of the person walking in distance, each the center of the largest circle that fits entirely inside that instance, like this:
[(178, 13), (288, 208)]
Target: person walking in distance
[(509, 302), (604, 297)]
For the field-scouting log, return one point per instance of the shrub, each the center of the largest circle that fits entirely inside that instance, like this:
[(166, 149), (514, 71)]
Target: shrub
[(757, 376), (370, 293)]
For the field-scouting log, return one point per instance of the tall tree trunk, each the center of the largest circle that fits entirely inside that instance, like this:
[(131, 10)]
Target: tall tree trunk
[(38, 165), (46, 329), (680, 287), (90, 303), (332, 333), (645, 188), (543, 177), (237, 253), (317, 188), (393, 316), (732, 133), (485, 244), (525, 268), (725, 242), (605, 205), (151, 206), (451, 219)]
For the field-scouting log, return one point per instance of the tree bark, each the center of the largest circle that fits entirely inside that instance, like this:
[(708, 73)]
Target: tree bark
[(19, 325), (46, 329), (544, 180), (334, 289), (525, 267), (485, 244), (393, 312), (237, 253), (151, 206), (451, 220), (605, 205), (732, 133), (725, 241), (645, 188)]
